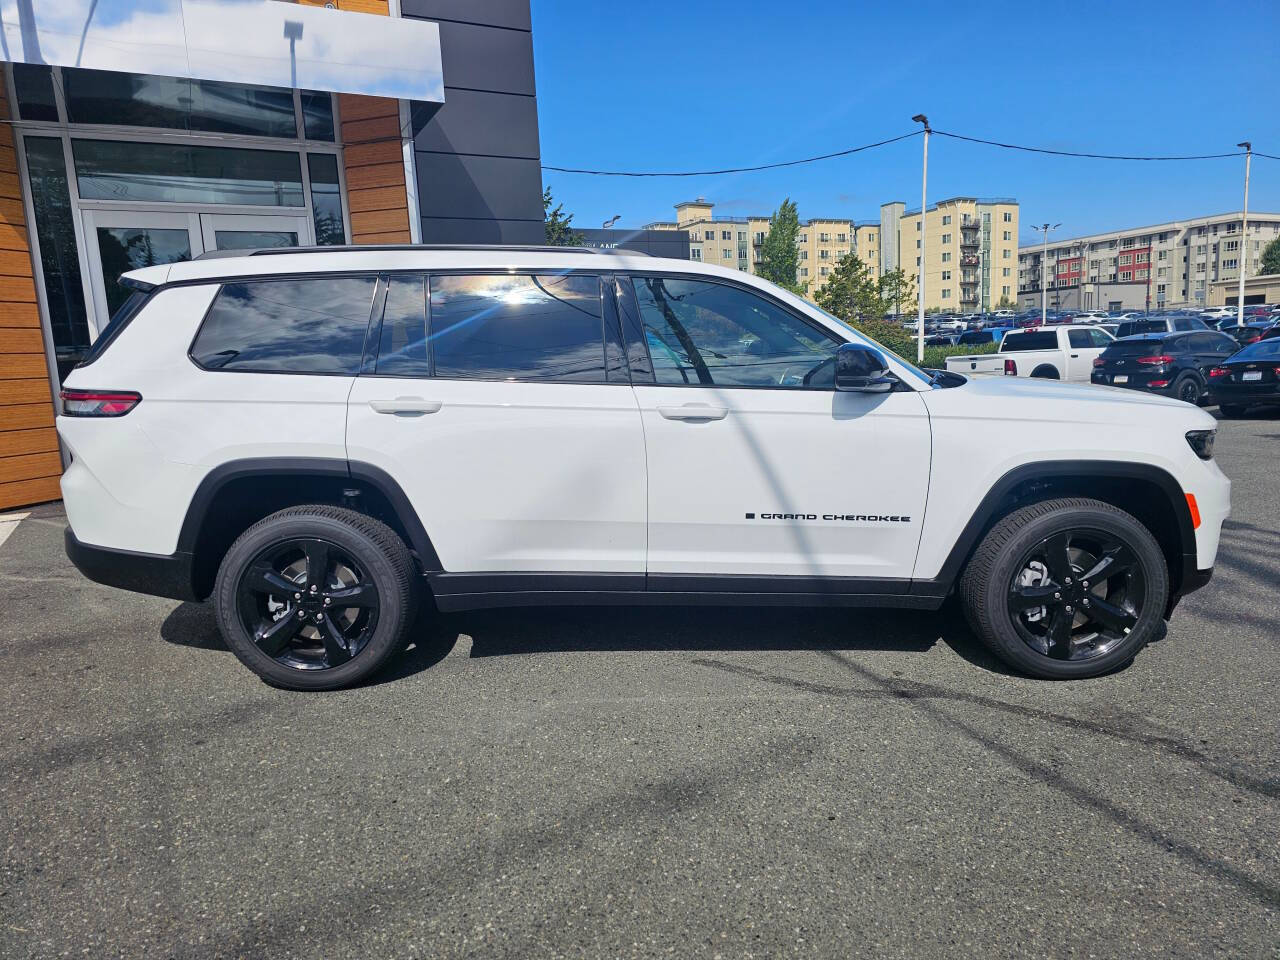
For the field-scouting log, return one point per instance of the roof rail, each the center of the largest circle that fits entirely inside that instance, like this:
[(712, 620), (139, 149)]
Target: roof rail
[(367, 247)]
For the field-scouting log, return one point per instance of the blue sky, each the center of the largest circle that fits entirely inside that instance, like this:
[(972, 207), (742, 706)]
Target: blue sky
[(696, 85)]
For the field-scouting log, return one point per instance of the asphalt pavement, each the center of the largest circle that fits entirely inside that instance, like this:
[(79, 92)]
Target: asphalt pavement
[(638, 783)]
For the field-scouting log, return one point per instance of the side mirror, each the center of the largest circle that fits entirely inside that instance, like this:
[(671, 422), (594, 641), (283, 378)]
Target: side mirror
[(862, 370)]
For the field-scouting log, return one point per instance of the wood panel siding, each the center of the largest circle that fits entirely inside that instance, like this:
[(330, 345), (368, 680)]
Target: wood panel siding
[(29, 461), (372, 157)]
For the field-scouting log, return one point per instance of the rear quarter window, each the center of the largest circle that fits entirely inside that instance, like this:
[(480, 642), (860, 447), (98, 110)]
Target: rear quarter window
[(1042, 340), (308, 325)]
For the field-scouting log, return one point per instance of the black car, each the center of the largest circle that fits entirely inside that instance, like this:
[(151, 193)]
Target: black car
[(1173, 364), (1250, 377), (1172, 323)]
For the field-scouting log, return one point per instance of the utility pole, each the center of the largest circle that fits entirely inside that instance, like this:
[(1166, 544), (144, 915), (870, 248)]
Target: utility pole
[(1244, 232), (924, 191), (1044, 259)]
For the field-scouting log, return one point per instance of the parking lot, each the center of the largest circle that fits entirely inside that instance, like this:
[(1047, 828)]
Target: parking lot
[(616, 782)]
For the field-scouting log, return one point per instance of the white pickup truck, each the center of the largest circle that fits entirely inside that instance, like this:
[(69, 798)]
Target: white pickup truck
[(1056, 352)]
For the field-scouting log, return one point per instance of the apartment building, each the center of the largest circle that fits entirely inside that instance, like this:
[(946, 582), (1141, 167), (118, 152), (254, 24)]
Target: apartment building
[(738, 242), (968, 255), (1176, 264)]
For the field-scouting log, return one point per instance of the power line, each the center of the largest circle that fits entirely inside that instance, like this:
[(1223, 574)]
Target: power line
[(1090, 156), (712, 173)]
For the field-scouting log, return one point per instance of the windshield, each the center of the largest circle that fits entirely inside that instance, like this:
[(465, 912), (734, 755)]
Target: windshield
[(1262, 350), (863, 338)]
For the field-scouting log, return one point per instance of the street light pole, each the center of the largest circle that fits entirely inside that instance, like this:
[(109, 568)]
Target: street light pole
[(1244, 232), (924, 190), (1044, 259)]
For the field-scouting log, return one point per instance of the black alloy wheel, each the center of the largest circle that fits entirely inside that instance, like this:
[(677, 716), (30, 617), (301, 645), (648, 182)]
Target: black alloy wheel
[(1076, 594), (1189, 391), (308, 604)]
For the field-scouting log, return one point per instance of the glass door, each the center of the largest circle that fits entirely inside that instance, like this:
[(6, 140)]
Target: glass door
[(119, 241), (222, 231)]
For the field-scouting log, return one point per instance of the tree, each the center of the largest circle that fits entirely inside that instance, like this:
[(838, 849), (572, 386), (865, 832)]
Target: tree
[(1006, 304), (557, 224), (896, 290), (778, 255), (851, 293), (1270, 262)]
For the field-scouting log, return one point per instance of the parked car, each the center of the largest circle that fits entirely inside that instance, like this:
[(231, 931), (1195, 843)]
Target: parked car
[(1128, 315), (323, 442), (1093, 316), (1004, 315), (942, 339), (1250, 332), (947, 322), (1059, 352), (1250, 377), (1172, 364), (1133, 328), (1218, 313), (1110, 328)]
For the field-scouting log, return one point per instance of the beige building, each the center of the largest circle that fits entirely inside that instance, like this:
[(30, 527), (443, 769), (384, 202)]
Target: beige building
[(1174, 264), (969, 254), (984, 231), (1264, 288)]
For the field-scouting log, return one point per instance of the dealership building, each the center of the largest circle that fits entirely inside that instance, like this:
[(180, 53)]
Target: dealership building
[(141, 134)]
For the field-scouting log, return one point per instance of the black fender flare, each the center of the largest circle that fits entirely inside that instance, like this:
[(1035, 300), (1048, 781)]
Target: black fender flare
[(365, 474), (984, 515)]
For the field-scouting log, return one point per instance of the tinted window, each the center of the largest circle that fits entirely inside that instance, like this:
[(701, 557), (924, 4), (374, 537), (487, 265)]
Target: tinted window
[(1262, 350), (712, 333), (977, 336), (1042, 340), (1138, 346), (517, 328), (33, 87), (1220, 343), (402, 350), (1131, 328), (1079, 338), (1099, 338), (316, 325)]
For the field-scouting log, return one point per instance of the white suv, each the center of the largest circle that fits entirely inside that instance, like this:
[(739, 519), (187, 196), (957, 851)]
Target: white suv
[(319, 440)]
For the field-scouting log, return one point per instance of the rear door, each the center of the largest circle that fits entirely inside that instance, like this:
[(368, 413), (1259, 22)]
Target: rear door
[(508, 420)]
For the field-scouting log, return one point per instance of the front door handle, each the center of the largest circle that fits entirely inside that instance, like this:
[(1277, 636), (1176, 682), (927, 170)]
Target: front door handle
[(1075, 356), (410, 406), (693, 411)]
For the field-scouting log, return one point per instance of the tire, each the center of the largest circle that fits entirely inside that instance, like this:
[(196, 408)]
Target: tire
[(332, 644), (1017, 560), (1231, 410), (1045, 372), (1184, 388)]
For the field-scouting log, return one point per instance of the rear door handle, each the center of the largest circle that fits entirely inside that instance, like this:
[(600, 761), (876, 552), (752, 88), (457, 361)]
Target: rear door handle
[(406, 405), (1075, 356), (693, 411)]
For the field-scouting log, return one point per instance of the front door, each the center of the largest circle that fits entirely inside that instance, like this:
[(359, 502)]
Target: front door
[(757, 466), (118, 241)]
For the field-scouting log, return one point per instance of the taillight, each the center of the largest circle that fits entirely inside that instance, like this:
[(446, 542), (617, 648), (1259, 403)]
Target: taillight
[(1218, 372), (98, 403), (1010, 368), (1099, 362), (1160, 360)]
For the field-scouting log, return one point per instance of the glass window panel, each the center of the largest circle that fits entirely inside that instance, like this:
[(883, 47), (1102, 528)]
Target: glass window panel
[(517, 328), (712, 333), (33, 88), (180, 173), (317, 115), (140, 100), (315, 325), (253, 239), (59, 261), (130, 248), (326, 199), (402, 351)]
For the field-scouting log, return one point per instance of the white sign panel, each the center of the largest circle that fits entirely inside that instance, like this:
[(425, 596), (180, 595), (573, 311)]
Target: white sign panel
[(258, 42)]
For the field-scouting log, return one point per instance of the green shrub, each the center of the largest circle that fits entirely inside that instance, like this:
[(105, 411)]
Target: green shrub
[(895, 337)]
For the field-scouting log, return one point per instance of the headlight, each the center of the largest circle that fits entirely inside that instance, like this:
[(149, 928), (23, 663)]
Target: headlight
[(1202, 442)]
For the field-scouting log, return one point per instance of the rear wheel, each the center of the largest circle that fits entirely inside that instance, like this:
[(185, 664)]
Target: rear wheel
[(315, 597), (1066, 588), (1187, 389), (1045, 372)]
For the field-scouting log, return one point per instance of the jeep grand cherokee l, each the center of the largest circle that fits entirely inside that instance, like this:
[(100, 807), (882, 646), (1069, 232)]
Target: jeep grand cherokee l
[(320, 441)]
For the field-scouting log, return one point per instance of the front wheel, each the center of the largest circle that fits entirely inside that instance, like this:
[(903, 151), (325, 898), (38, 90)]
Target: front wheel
[(315, 597), (1067, 588)]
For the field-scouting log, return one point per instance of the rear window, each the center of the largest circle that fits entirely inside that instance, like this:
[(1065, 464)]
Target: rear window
[(1132, 328), (115, 326), (977, 336), (505, 327), (311, 325), (1038, 340), (1262, 350), (1140, 347)]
